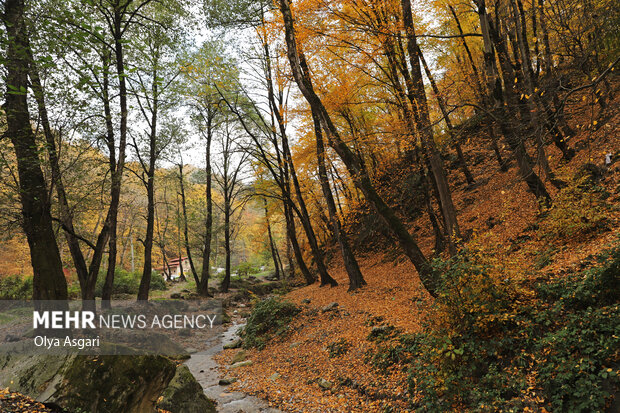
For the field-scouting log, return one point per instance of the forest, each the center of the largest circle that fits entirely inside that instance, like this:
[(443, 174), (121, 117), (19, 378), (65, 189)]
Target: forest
[(399, 205)]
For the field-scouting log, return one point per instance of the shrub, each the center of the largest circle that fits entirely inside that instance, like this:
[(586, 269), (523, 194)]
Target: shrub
[(158, 282), (270, 317), (338, 348), (16, 287), (577, 210), (124, 282), (497, 348), (395, 353), (246, 268)]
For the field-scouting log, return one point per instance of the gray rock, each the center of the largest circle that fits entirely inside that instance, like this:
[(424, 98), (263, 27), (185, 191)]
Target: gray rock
[(324, 384), (241, 364), (227, 380), (305, 301), (235, 344), (330, 307), (379, 330), (112, 383), (240, 356), (274, 376)]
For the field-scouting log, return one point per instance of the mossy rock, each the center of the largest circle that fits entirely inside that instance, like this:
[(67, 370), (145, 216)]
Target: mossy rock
[(113, 383), (30, 374), (241, 355), (184, 395)]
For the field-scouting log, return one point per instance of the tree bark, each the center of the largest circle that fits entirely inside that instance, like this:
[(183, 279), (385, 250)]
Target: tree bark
[(49, 282), (356, 279), (188, 250), (272, 245), (203, 287), (227, 269), (483, 95), (304, 217), (145, 282), (426, 132), (65, 211), (117, 172), (446, 117)]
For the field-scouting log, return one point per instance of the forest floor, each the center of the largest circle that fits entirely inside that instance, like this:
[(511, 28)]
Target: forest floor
[(500, 217)]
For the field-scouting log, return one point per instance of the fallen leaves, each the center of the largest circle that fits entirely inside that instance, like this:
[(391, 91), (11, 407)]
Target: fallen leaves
[(12, 402)]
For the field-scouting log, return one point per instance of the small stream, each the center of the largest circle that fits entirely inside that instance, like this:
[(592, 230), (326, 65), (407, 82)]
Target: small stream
[(204, 368)]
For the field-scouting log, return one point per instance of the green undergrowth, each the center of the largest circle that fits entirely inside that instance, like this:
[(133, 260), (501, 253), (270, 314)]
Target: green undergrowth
[(16, 287), (504, 347), (269, 318)]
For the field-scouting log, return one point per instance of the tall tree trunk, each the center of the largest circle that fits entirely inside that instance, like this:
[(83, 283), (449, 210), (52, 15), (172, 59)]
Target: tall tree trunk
[(289, 256), (446, 116), (49, 282), (65, 211), (117, 173), (539, 106), (188, 250), (227, 269), (359, 175), (272, 245), (145, 282), (203, 287), (356, 279), (179, 243), (425, 129), (304, 217), (292, 234), (290, 172)]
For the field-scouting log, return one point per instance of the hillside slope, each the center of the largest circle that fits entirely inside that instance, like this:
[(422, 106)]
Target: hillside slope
[(503, 222)]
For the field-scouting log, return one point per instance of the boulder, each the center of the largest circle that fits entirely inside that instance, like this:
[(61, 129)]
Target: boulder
[(241, 364), (100, 384), (240, 356), (235, 344), (113, 383), (184, 395)]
